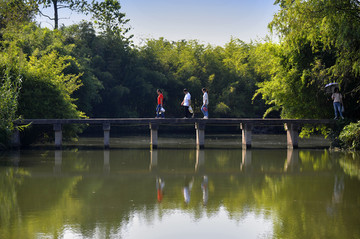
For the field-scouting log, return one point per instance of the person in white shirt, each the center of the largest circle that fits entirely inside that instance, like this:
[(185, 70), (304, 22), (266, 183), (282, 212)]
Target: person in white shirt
[(204, 107), (338, 103), (186, 103)]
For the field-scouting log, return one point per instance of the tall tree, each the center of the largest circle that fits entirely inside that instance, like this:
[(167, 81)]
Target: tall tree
[(320, 43), (74, 5), (16, 11)]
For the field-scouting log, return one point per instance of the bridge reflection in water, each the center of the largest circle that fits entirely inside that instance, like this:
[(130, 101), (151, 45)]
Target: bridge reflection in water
[(102, 189), (245, 164)]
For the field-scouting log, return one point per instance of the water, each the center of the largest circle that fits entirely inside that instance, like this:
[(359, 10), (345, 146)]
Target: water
[(179, 193)]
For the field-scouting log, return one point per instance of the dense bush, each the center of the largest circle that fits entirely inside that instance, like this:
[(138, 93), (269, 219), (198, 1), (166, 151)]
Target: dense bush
[(9, 91), (350, 136)]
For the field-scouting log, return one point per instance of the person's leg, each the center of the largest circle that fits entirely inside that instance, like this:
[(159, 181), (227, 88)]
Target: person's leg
[(340, 111), (206, 114), (335, 110), (158, 107), (186, 111), (162, 113)]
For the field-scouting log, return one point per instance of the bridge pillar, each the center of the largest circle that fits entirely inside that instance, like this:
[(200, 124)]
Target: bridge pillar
[(106, 128), (200, 135), (58, 135), (15, 138), (153, 135), (292, 133), (246, 135)]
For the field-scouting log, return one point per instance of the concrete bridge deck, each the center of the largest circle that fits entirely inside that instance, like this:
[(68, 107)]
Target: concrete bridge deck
[(292, 127)]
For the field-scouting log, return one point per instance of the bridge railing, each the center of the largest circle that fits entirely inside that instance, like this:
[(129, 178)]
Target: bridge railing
[(292, 127)]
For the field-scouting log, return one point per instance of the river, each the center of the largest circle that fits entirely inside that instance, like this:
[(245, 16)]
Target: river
[(175, 192)]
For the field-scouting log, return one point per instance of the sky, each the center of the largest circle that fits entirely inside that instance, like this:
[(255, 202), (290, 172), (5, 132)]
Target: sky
[(208, 21)]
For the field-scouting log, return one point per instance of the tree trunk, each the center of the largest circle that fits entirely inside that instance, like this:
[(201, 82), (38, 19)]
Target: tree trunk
[(56, 16)]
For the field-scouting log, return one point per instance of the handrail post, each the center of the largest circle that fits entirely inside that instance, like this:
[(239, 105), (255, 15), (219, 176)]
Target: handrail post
[(153, 135), (58, 135), (246, 135), (292, 133), (200, 135), (106, 128)]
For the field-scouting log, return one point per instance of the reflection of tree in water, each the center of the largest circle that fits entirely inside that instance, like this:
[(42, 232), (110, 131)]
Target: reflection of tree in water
[(350, 163), (10, 179), (293, 200)]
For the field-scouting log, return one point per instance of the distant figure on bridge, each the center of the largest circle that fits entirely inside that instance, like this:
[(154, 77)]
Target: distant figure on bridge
[(160, 111), (204, 107), (338, 103), (186, 103)]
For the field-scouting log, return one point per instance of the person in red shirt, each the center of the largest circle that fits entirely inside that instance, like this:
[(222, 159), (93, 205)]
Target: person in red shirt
[(160, 101)]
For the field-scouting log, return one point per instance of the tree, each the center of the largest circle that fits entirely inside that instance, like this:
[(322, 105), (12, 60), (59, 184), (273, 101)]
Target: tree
[(109, 19), (319, 44), (74, 5), (16, 11), (40, 59)]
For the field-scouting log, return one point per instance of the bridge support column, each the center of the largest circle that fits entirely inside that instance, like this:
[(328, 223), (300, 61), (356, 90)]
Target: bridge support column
[(15, 138), (153, 135), (246, 135), (292, 132), (200, 135), (106, 128), (58, 135)]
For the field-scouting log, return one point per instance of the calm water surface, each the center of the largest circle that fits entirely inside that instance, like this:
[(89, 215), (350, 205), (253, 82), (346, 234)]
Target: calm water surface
[(179, 193)]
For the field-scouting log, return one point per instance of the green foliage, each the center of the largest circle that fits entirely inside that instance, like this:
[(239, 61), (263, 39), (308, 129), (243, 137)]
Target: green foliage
[(108, 17), (319, 44), (73, 5), (9, 93), (47, 88), (13, 12), (350, 136), (72, 70)]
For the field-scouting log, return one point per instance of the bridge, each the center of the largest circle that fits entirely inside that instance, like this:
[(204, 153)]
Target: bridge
[(292, 127)]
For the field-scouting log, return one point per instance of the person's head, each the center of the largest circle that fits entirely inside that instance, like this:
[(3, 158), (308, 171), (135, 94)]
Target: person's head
[(204, 90), (159, 91), (185, 91), (336, 90)]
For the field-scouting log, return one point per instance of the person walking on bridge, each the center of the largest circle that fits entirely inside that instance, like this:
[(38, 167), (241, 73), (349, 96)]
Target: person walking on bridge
[(160, 101), (338, 103), (204, 107), (186, 103)]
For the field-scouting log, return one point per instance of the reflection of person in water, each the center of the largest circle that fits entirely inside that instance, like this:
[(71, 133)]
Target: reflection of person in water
[(337, 197), (204, 188), (338, 189), (160, 184), (187, 190)]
